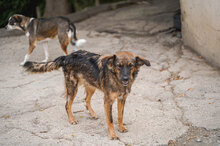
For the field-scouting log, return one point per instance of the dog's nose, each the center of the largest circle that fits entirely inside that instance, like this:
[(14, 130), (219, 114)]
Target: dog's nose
[(125, 81), (125, 78)]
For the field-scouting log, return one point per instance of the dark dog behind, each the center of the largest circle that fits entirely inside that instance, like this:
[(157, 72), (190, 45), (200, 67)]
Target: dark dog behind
[(113, 75)]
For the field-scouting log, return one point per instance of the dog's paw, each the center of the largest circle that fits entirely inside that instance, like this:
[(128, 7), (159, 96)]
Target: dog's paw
[(73, 122), (122, 129), (22, 63), (94, 116), (45, 60), (114, 137)]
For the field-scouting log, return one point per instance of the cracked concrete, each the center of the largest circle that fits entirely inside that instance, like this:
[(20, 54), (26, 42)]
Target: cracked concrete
[(175, 101)]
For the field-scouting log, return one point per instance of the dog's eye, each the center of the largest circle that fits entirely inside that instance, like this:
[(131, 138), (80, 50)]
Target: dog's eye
[(119, 66), (131, 65), (11, 23)]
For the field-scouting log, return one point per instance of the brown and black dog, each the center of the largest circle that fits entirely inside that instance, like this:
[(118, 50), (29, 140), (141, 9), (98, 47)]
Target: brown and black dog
[(112, 74)]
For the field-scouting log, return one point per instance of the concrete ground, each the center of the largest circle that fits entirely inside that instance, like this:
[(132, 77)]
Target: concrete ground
[(176, 101)]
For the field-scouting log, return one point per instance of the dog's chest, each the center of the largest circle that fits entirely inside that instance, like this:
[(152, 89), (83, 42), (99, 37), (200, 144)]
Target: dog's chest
[(121, 96), (125, 92)]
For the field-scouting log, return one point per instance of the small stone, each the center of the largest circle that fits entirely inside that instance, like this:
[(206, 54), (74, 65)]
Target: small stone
[(171, 143), (188, 124), (198, 140)]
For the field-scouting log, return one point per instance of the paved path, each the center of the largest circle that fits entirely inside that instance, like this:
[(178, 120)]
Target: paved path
[(175, 101)]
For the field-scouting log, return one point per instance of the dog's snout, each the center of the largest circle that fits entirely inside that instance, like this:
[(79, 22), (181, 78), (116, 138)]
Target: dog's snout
[(125, 78)]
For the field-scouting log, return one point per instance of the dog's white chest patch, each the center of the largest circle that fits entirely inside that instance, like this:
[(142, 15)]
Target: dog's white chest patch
[(120, 97)]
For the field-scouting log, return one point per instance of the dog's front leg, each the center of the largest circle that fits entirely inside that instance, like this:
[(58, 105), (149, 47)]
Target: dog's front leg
[(30, 50), (121, 104), (108, 101), (45, 46)]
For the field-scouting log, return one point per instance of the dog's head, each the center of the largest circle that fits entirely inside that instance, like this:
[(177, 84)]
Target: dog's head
[(125, 66), (16, 22)]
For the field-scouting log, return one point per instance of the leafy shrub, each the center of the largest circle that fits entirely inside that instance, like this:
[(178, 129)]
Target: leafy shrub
[(10, 7)]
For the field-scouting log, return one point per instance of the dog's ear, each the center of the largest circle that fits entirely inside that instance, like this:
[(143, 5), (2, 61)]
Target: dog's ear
[(111, 60), (18, 19), (141, 61), (108, 60)]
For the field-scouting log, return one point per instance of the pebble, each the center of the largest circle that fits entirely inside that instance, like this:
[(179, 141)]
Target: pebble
[(198, 140)]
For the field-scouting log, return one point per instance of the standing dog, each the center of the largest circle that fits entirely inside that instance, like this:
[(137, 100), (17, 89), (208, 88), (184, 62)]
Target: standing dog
[(113, 75), (43, 29)]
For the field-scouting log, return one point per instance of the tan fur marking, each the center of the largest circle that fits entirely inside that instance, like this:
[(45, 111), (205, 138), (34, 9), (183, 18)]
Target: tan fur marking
[(125, 54)]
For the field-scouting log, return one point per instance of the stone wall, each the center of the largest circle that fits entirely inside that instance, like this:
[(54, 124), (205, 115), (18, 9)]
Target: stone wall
[(201, 28)]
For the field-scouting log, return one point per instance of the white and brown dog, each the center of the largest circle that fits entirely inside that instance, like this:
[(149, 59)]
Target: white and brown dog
[(43, 29)]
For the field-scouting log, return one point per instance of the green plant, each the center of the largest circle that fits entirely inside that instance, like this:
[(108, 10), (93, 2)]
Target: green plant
[(10, 7)]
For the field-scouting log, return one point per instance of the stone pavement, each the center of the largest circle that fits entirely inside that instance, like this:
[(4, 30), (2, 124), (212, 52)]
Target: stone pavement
[(174, 101)]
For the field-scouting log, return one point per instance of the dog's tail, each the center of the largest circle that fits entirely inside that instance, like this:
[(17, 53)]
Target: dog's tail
[(35, 67), (74, 37)]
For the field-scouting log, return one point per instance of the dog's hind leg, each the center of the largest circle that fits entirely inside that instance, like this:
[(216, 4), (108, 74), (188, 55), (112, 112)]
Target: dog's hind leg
[(68, 106), (64, 47), (45, 47), (89, 92), (71, 91), (64, 41)]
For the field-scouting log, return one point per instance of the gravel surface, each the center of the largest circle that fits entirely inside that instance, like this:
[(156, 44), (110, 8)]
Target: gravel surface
[(175, 101)]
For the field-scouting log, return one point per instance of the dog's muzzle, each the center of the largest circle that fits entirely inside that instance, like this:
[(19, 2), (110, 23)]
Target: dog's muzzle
[(8, 27), (125, 81)]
